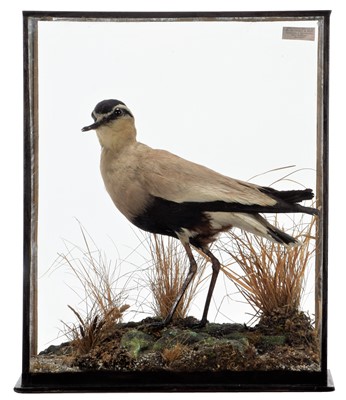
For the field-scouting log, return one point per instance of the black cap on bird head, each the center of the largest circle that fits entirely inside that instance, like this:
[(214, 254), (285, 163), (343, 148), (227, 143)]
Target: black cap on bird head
[(106, 111)]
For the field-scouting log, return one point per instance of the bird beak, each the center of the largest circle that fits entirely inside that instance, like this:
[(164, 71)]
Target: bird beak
[(91, 127)]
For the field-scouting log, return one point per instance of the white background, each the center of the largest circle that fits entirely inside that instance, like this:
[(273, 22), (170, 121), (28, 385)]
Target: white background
[(233, 96), (12, 168)]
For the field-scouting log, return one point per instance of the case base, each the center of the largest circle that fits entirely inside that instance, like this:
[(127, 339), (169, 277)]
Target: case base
[(92, 386)]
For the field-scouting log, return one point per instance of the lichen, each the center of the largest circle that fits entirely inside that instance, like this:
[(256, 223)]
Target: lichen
[(278, 342)]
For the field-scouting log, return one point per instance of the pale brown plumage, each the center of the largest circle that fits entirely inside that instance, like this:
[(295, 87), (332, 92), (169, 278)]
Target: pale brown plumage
[(163, 193), (139, 172)]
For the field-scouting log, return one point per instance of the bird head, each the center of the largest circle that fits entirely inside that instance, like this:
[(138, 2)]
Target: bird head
[(107, 112), (113, 122)]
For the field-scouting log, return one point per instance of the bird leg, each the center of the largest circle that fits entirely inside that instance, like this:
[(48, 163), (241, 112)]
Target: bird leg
[(216, 268), (190, 275)]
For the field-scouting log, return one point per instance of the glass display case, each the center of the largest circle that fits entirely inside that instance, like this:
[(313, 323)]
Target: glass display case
[(242, 93)]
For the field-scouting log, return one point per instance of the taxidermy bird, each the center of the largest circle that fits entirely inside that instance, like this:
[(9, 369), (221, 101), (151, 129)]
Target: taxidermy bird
[(162, 193)]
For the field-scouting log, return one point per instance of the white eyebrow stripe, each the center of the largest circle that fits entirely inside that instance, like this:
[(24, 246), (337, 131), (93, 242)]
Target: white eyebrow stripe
[(98, 116)]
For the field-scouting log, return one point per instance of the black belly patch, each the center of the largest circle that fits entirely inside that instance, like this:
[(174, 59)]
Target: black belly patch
[(168, 217)]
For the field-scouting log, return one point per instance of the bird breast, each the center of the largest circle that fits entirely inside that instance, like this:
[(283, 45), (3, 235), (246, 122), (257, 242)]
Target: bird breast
[(120, 175)]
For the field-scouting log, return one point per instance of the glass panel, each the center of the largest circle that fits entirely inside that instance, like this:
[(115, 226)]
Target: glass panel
[(240, 96)]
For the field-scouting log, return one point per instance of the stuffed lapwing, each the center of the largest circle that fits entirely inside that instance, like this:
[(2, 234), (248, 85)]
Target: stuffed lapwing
[(162, 193)]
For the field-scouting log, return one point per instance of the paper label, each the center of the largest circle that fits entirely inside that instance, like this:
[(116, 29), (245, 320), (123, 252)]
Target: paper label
[(295, 33)]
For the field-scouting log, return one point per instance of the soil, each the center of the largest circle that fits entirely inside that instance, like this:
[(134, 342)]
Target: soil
[(279, 341)]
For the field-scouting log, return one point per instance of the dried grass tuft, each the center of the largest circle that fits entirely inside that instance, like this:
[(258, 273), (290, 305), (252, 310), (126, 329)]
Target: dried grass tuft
[(165, 278), (174, 353), (272, 276), (103, 302)]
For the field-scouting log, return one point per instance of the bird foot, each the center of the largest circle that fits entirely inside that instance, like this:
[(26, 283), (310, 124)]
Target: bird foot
[(195, 324), (152, 327), (199, 325)]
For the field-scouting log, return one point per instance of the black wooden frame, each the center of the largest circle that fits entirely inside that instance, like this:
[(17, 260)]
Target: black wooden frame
[(158, 381)]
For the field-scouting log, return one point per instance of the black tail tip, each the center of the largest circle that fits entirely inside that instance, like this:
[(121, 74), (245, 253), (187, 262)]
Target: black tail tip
[(296, 196), (289, 196), (309, 194)]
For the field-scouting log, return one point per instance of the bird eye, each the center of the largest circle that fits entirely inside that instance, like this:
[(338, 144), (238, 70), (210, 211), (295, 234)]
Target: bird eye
[(118, 111)]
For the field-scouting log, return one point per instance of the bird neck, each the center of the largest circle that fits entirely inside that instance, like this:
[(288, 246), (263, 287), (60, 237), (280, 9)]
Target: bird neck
[(117, 138)]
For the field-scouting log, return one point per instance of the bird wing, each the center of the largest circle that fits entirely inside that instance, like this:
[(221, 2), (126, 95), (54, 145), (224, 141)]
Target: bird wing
[(173, 178)]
